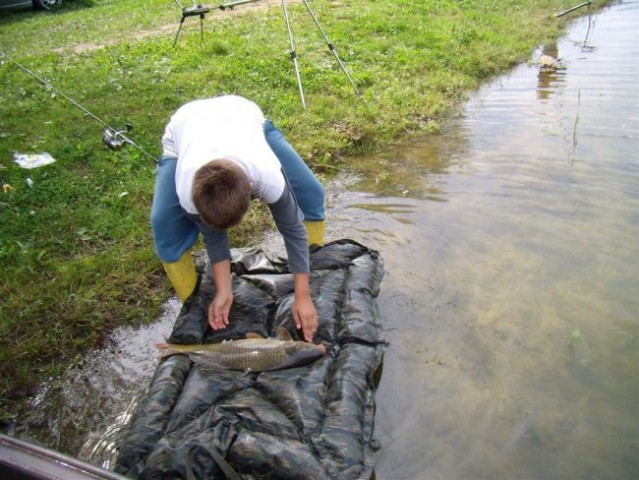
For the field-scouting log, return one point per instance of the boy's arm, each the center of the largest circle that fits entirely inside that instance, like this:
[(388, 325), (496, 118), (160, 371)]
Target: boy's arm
[(288, 219), (215, 241), (217, 248)]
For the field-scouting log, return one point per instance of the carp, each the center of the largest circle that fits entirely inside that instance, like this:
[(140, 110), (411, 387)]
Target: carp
[(252, 354)]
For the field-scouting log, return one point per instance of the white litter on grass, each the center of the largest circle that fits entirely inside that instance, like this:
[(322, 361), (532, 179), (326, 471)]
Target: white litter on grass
[(33, 160)]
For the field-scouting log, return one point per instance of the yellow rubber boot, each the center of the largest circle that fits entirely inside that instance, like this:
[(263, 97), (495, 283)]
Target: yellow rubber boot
[(182, 276), (315, 233)]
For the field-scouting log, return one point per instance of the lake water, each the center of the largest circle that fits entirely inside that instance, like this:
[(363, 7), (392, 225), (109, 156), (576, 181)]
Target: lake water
[(511, 249), (511, 244)]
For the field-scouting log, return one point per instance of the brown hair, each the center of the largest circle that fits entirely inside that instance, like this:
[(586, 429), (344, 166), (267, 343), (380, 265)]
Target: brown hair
[(221, 193)]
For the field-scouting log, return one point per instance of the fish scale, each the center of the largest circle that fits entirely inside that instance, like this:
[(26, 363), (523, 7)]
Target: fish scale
[(250, 355), (246, 355)]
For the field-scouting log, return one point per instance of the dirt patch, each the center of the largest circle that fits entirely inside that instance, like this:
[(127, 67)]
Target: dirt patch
[(216, 12)]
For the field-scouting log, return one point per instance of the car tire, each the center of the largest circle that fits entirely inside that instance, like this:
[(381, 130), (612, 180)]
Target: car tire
[(46, 4)]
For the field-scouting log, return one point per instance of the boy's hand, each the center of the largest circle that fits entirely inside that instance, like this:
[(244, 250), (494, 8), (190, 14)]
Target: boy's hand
[(219, 310), (221, 304), (304, 312), (305, 316)]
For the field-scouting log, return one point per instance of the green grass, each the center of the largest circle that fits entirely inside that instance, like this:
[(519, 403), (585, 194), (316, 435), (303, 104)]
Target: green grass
[(76, 249)]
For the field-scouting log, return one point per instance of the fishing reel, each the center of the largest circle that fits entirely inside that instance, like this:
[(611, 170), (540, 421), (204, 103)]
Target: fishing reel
[(115, 139)]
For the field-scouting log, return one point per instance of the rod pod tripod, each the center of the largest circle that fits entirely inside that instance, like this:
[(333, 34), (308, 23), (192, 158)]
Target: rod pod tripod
[(192, 11), (200, 10)]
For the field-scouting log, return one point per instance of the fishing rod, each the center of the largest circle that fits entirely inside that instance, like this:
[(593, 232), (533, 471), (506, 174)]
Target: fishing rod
[(576, 7), (112, 137)]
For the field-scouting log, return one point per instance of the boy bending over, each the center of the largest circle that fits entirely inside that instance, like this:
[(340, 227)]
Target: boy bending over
[(218, 154)]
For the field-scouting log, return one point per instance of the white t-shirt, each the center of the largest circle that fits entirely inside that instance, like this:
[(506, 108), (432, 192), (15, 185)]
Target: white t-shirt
[(227, 127)]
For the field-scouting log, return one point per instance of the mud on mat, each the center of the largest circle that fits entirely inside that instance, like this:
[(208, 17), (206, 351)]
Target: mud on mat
[(305, 423)]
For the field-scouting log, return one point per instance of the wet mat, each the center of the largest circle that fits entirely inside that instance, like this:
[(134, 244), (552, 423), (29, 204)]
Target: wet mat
[(309, 422)]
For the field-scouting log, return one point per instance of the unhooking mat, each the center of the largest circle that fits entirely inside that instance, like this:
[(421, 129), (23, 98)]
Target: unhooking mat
[(305, 423)]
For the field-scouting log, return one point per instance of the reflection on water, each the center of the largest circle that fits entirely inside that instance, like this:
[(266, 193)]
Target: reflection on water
[(511, 302), (511, 247), (551, 71)]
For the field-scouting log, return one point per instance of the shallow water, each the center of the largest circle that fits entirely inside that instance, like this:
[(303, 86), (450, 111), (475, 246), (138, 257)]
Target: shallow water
[(511, 244), (85, 413), (511, 248)]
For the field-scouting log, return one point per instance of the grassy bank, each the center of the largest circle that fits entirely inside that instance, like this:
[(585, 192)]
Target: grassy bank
[(75, 243)]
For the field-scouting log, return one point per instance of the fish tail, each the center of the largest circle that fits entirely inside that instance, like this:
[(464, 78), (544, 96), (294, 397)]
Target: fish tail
[(165, 350)]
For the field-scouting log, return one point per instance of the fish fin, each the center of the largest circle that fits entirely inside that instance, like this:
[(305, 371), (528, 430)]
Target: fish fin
[(282, 334), (254, 335)]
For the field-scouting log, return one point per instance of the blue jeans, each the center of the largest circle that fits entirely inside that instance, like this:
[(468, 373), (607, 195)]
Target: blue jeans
[(174, 233)]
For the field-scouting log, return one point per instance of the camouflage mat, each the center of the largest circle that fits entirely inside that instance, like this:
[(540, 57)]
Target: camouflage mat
[(310, 422)]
